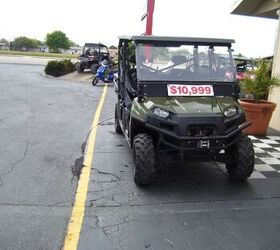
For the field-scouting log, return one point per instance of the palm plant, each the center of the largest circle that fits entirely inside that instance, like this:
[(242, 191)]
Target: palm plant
[(259, 82)]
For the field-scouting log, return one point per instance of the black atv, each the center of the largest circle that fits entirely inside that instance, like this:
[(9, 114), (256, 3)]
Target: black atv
[(92, 54), (177, 101)]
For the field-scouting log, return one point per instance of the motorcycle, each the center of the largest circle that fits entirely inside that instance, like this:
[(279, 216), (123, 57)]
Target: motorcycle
[(105, 73)]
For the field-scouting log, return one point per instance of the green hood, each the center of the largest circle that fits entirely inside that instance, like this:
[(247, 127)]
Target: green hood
[(184, 105), (190, 105)]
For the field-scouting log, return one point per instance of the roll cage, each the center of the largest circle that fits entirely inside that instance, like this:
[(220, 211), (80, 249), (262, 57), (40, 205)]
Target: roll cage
[(95, 49)]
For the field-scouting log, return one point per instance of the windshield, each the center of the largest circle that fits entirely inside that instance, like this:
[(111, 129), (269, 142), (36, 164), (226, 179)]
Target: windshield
[(184, 63), (95, 48)]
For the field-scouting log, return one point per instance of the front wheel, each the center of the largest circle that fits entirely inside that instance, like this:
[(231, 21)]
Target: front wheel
[(95, 81), (242, 159), (94, 68), (117, 121), (80, 67), (144, 155)]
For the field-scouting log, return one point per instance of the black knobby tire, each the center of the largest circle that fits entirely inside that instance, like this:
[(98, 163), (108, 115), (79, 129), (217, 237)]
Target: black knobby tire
[(94, 68), (117, 122), (80, 67), (242, 159), (144, 155), (95, 81)]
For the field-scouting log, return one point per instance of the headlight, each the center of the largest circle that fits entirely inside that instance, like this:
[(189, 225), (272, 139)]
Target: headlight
[(230, 111), (161, 113)]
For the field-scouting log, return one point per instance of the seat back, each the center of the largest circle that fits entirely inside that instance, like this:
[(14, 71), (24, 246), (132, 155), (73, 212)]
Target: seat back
[(178, 59), (133, 78)]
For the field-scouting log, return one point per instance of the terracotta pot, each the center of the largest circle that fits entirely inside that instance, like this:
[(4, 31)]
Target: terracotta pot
[(258, 114)]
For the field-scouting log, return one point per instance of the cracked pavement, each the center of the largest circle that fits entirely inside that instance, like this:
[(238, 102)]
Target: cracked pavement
[(44, 123)]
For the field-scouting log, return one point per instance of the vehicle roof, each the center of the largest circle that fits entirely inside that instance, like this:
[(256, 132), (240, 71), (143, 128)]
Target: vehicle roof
[(95, 44), (191, 40), (241, 58)]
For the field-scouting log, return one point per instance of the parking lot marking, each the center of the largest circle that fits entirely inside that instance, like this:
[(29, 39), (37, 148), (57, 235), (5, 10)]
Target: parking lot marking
[(77, 216)]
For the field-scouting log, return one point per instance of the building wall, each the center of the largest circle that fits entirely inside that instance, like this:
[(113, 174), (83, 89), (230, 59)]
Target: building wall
[(72, 50), (4, 47), (275, 94)]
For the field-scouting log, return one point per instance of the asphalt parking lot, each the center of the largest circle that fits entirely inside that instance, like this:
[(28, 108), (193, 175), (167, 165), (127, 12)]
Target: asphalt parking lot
[(45, 122), (44, 125)]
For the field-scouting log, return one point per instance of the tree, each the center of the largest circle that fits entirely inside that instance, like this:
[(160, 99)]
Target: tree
[(184, 52), (73, 44), (239, 55), (3, 40), (161, 53), (24, 42), (37, 42), (57, 40), (113, 47)]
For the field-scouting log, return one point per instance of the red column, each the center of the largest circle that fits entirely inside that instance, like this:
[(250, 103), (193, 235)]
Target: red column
[(150, 13), (149, 25)]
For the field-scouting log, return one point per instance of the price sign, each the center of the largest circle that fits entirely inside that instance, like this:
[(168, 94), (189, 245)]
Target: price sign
[(190, 90)]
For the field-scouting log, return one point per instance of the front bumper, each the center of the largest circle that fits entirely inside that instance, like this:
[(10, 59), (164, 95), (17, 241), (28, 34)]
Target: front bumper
[(175, 135)]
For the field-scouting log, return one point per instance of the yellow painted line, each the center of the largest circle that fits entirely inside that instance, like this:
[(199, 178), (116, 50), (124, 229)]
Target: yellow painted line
[(76, 221)]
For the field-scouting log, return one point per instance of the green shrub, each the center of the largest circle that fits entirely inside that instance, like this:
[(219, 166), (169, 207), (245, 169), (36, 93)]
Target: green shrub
[(70, 66), (59, 68)]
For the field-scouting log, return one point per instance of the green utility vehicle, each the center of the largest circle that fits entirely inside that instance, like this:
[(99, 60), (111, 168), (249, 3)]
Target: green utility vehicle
[(177, 101)]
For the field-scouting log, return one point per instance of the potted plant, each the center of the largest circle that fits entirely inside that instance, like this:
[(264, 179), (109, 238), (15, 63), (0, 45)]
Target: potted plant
[(257, 85)]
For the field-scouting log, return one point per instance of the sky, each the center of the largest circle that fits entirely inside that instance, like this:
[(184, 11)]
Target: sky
[(105, 20)]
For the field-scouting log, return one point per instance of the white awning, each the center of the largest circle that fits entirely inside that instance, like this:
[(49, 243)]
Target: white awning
[(257, 8)]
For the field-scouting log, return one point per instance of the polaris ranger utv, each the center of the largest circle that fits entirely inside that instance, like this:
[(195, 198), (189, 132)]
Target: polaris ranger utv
[(92, 54), (177, 100)]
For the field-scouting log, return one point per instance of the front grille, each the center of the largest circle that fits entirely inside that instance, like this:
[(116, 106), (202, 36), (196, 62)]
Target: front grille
[(200, 130)]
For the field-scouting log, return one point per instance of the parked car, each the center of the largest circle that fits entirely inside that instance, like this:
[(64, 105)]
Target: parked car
[(243, 67)]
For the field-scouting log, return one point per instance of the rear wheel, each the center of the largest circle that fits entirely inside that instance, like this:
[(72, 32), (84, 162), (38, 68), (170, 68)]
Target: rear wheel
[(80, 67), (94, 68), (117, 122), (144, 155), (242, 158)]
